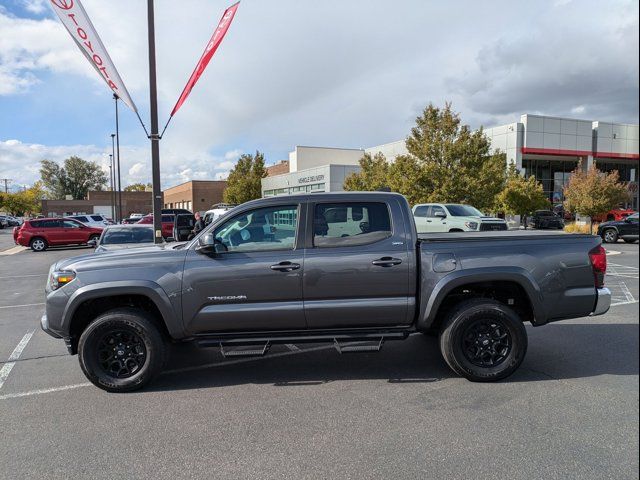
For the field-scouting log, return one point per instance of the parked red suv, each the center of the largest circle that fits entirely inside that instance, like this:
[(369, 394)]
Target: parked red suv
[(167, 224), (48, 232)]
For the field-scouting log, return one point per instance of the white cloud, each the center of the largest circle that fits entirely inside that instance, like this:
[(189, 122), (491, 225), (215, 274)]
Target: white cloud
[(35, 6), (21, 162), (334, 73)]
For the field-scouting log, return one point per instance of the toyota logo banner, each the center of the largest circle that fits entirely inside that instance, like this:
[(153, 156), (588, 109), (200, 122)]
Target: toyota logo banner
[(75, 19)]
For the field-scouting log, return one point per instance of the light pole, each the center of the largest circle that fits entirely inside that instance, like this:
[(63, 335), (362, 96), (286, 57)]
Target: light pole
[(113, 168), (119, 186), (111, 181), (154, 137)]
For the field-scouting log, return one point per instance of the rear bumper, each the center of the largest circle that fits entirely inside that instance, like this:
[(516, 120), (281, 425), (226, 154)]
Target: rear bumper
[(603, 302)]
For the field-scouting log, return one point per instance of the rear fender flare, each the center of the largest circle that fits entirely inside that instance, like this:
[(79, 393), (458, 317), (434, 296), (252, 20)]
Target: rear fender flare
[(429, 308)]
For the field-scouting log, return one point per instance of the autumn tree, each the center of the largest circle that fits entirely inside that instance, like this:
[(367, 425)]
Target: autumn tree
[(138, 187), (593, 192), (24, 202), (446, 162), (245, 179), (520, 195), (76, 177)]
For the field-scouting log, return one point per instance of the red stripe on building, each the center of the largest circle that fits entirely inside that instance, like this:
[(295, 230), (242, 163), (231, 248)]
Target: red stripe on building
[(632, 156), (556, 151)]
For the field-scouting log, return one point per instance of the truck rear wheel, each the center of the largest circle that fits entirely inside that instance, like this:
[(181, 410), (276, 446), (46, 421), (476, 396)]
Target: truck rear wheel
[(483, 340), (121, 350)]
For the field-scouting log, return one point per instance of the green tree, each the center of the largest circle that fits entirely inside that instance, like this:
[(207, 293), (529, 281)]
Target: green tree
[(521, 196), (446, 162), (593, 192), (75, 178), (137, 187), (373, 174), (244, 181)]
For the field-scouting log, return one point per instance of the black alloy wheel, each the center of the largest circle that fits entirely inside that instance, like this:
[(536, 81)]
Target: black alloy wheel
[(486, 343), (483, 340), (121, 353), (122, 350)]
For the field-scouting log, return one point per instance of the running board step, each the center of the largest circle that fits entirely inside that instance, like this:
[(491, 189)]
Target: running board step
[(244, 352), (358, 347)]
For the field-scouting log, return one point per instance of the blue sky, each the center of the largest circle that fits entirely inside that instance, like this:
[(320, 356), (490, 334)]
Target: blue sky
[(334, 73)]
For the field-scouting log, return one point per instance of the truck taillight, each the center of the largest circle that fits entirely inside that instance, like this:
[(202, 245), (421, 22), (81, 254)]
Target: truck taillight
[(598, 258)]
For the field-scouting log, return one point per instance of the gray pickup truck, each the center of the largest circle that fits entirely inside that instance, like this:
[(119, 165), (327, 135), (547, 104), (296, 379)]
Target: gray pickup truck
[(346, 268)]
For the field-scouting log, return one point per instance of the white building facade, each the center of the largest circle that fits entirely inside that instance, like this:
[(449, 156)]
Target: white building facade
[(548, 148)]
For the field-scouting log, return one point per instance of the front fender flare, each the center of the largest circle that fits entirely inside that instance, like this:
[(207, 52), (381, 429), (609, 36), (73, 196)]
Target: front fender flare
[(429, 307), (149, 289)]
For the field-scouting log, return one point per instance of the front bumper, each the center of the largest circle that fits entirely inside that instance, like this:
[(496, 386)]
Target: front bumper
[(603, 302), (44, 324)]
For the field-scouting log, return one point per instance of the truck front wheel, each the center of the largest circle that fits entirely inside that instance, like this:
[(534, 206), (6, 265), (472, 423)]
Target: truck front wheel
[(483, 340), (121, 350)]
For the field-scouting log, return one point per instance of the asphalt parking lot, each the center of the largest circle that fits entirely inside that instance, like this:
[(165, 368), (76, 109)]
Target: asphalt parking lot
[(571, 411)]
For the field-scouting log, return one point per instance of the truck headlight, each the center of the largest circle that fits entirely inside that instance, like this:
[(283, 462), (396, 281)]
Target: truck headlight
[(471, 225), (60, 279)]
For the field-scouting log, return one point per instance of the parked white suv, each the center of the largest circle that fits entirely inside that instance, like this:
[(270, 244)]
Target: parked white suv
[(448, 217), (92, 220)]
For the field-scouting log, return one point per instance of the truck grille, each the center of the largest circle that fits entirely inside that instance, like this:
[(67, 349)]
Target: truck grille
[(491, 227)]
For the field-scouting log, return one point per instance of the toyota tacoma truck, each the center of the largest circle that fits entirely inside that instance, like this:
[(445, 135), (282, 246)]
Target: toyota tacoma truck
[(344, 268)]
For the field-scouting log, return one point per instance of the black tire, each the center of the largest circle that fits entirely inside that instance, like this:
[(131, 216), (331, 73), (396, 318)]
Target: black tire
[(610, 235), (142, 358), (505, 342), (629, 240), (38, 244)]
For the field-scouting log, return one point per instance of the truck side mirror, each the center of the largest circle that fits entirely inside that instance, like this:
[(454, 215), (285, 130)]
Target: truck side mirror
[(206, 243), (440, 215), (92, 243)]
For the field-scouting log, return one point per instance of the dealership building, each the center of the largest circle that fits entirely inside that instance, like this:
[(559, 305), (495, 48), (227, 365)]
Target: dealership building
[(548, 148)]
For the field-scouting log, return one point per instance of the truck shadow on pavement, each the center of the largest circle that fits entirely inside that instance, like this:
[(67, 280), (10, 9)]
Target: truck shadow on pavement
[(556, 352)]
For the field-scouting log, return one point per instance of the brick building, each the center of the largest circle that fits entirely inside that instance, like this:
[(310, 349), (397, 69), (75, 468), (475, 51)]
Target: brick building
[(195, 195), (278, 169), (99, 202)]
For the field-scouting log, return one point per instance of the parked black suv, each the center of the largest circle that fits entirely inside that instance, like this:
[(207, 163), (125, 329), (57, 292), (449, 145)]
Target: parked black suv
[(626, 229), (543, 219)]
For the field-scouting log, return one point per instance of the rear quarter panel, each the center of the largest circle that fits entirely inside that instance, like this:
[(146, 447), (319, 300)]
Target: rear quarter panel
[(554, 270)]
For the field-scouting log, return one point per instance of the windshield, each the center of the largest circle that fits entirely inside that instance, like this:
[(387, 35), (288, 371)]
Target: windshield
[(463, 211), (127, 235)]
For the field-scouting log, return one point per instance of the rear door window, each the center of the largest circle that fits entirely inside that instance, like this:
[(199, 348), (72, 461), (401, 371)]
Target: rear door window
[(97, 218), (51, 223), (350, 224)]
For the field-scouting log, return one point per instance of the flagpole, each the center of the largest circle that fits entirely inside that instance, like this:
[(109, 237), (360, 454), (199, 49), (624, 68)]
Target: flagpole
[(154, 137)]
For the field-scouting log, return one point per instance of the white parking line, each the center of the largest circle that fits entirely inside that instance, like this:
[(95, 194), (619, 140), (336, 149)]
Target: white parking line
[(169, 372), (6, 369), (23, 276), (43, 391), (16, 249), (23, 305)]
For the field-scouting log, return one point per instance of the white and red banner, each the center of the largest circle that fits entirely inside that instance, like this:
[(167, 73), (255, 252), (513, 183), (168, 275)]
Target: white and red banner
[(74, 17), (211, 48)]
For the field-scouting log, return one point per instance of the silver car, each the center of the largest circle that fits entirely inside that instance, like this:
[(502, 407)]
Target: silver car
[(118, 237)]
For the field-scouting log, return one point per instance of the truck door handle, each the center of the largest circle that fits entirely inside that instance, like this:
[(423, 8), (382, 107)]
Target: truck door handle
[(285, 266), (386, 262)]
